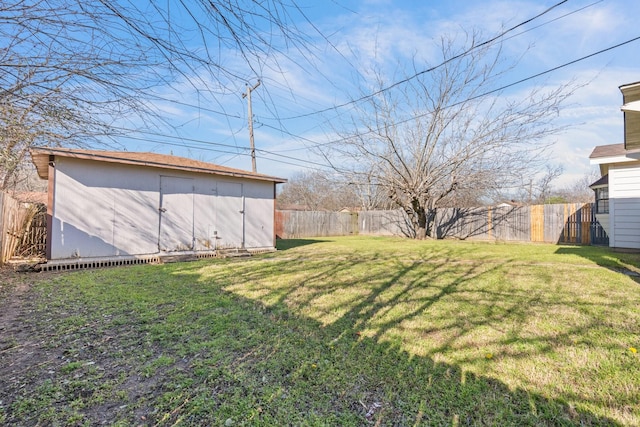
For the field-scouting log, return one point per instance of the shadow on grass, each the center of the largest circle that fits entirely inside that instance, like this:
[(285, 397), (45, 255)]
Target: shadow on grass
[(199, 353), (342, 374), (285, 244), (336, 375), (620, 261)]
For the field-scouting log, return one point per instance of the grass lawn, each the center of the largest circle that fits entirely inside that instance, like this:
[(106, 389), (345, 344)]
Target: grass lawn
[(337, 331)]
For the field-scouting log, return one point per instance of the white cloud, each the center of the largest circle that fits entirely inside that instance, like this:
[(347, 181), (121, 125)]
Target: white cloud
[(386, 34)]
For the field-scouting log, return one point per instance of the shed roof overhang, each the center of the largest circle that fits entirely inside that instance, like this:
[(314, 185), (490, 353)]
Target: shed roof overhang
[(41, 157)]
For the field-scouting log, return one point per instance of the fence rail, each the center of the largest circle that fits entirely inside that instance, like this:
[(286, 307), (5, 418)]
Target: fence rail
[(563, 223)]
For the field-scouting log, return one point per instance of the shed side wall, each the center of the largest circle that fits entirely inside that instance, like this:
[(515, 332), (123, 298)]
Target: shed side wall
[(113, 209)]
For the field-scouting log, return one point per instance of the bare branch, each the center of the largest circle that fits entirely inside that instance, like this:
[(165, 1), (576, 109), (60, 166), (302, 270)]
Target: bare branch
[(435, 142)]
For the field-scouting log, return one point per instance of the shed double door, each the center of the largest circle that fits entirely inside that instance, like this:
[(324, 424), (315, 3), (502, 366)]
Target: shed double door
[(176, 231), (230, 210)]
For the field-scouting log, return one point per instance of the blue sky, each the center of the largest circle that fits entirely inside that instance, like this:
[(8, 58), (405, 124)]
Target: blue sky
[(349, 39)]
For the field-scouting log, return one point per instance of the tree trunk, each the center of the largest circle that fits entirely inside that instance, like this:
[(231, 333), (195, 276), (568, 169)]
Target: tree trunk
[(421, 221)]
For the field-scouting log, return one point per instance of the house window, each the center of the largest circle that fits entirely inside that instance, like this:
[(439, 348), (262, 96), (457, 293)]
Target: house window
[(602, 200)]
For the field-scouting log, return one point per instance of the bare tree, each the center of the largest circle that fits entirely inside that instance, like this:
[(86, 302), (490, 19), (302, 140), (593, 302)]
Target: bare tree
[(65, 78), (73, 71), (370, 195), (317, 190), (579, 191), (448, 133), (539, 190)]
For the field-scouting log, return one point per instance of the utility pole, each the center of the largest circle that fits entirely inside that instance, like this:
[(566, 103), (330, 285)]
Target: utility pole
[(253, 148)]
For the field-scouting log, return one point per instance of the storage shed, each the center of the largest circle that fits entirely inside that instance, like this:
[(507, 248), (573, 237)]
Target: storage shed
[(130, 204)]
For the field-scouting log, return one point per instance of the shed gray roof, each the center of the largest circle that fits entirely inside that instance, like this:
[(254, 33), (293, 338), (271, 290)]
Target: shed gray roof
[(40, 158)]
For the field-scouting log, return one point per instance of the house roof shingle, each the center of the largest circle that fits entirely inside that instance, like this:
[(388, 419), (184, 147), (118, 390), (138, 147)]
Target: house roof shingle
[(40, 157), (603, 181), (611, 150), (608, 151)]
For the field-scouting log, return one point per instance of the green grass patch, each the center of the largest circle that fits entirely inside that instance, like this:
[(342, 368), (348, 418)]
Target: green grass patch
[(341, 331)]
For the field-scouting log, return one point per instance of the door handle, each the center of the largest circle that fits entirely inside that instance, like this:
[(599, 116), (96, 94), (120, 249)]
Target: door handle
[(163, 210)]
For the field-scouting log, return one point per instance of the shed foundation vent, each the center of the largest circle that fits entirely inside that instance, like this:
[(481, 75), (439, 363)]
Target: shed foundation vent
[(79, 264)]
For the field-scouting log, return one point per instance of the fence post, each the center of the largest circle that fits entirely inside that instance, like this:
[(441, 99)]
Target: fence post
[(355, 227), (586, 219)]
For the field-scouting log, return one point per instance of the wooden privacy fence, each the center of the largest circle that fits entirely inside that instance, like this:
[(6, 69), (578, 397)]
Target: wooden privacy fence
[(296, 224), (562, 223), (22, 228), (34, 233), (10, 217)]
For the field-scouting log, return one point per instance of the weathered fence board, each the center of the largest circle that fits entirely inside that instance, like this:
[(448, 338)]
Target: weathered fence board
[(512, 224), (22, 228), (537, 223), (296, 224), (564, 223), (11, 218), (384, 223), (34, 233)]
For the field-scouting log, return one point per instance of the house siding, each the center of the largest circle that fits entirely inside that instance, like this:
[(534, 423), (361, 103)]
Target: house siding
[(631, 119), (632, 131), (603, 220), (112, 209), (624, 202)]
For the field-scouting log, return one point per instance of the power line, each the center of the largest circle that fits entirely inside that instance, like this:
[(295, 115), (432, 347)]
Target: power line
[(209, 143), (428, 70), (294, 158), (319, 144), (232, 116), (197, 107), (555, 19), (175, 144), (181, 138), (216, 150), (235, 116), (566, 64), (501, 88)]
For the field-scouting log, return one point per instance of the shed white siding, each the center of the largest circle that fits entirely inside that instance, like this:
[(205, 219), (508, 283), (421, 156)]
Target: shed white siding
[(110, 209), (624, 206)]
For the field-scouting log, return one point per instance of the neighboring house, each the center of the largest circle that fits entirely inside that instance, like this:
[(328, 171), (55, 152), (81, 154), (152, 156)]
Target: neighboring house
[(353, 209), (509, 204), (618, 191), (292, 207), (126, 204)]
